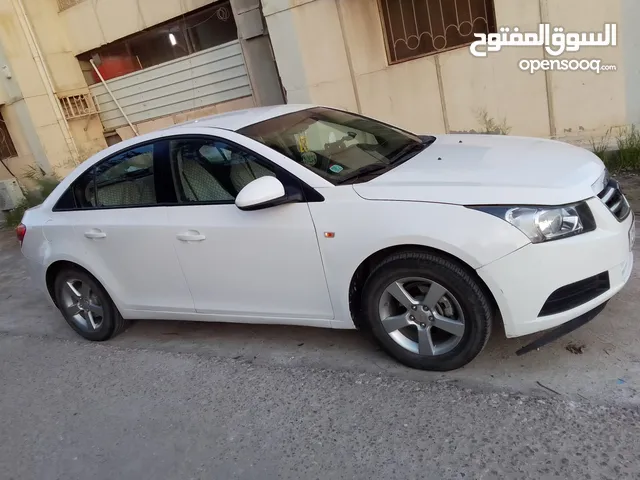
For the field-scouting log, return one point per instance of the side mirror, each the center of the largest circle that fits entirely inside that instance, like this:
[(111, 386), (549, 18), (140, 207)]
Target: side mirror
[(263, 192)]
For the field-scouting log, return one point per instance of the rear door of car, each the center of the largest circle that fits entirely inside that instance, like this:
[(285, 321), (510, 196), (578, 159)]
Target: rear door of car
[(119, 219)]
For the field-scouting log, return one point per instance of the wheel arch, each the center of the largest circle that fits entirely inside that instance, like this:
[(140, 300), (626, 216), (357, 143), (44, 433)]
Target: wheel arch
[(365, 268), (59, 265)]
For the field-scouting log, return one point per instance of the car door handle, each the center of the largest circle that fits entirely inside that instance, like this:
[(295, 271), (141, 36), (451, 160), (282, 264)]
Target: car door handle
[(190, 236), (94, 234)]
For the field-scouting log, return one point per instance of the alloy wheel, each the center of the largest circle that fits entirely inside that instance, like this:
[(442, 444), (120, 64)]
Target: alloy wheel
[(82, 305), (421, 316)]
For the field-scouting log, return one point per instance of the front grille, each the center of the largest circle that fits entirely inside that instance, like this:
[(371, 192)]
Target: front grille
[(575, 294), (615, 201)]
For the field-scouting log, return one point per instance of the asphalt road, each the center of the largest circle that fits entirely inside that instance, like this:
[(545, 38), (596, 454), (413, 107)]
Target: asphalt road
[(75, 410), (170, 400)]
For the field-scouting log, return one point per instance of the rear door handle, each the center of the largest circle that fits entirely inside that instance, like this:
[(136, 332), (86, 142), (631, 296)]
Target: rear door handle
[(190, 236), (95, 233)]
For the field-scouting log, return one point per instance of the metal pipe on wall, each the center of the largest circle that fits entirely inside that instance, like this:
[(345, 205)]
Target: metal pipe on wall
[(45, 77), (113, 97)]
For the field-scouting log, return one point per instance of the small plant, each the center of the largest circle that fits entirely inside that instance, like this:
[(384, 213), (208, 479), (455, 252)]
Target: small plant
[(626, 157), (601, 146), (490, 126), (45, 184), (629, 148)]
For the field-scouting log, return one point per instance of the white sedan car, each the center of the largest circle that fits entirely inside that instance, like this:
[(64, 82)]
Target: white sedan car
[(307, 215)]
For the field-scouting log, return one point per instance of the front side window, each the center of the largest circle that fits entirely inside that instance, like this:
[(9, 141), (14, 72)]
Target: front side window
[(336, 145), (212, 171)]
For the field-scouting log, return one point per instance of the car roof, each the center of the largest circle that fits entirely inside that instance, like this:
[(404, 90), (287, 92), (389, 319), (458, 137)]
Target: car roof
[(238, 119)]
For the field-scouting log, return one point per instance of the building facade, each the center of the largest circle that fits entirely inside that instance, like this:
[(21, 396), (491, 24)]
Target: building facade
[(77, 75), (408, 61)]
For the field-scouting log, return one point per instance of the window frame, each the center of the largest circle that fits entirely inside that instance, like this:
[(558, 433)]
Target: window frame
[(162, 163), (491, 24)]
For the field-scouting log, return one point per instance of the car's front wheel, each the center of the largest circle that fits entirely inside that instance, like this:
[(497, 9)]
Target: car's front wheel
[(427, 311), (86, 306)]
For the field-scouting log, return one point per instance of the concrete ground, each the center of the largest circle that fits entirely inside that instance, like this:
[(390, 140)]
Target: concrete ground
[(195, 400)]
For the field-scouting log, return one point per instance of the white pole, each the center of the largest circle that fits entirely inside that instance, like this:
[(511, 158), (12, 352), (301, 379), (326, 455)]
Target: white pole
[(115, 100)]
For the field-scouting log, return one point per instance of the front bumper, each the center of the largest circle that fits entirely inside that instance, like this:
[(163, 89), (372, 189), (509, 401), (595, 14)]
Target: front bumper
[(523, 281)]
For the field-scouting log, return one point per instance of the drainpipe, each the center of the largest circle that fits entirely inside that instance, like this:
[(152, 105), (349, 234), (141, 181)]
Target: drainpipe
[(45, 77)]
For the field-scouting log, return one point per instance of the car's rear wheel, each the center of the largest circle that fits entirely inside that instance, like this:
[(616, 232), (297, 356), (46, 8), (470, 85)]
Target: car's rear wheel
[(86, 306), (427, 311)]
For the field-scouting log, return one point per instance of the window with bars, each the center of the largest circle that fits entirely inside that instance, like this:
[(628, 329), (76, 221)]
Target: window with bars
[(415, 28), (76, 106), (7, 149)]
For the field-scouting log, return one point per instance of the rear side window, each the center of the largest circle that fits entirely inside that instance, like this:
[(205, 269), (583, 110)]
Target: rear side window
[(67, 201), (124, 180), (83, 191)]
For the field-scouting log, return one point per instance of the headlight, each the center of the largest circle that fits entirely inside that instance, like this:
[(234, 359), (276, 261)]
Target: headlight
[(542, 224)]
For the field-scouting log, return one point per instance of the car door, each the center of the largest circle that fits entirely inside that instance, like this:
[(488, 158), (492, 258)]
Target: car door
[(263, 264), (122, 232)]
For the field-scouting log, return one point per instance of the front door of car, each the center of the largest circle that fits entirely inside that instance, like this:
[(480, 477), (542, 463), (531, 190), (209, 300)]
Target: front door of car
[(122, 231), (262, 264)]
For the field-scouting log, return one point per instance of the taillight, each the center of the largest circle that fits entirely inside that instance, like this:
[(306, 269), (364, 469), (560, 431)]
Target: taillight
[(21, 231)]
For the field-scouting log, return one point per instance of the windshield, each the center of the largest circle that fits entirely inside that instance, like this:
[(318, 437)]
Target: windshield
[(337, 145)]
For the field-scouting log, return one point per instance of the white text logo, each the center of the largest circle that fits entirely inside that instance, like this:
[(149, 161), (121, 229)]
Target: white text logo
[(555, 41), (584, 65)]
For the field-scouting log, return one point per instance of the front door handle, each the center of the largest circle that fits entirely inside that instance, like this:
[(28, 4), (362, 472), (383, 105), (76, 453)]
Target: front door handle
[(190, 236), (95, 233)]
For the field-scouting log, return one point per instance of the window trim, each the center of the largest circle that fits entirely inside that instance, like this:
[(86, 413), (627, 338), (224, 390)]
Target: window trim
[(492, 20), (161, 154)]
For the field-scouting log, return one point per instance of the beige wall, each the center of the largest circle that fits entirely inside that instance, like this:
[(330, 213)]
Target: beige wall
[(43, 15), (584, 101), (348, 68), (55, 42)]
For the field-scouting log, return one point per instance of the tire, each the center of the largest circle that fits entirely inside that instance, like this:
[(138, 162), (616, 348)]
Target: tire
[(410, 327), (86, 306)]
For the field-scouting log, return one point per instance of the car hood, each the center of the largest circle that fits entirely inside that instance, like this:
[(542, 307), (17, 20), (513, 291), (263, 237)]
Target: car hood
[(490, 169)]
